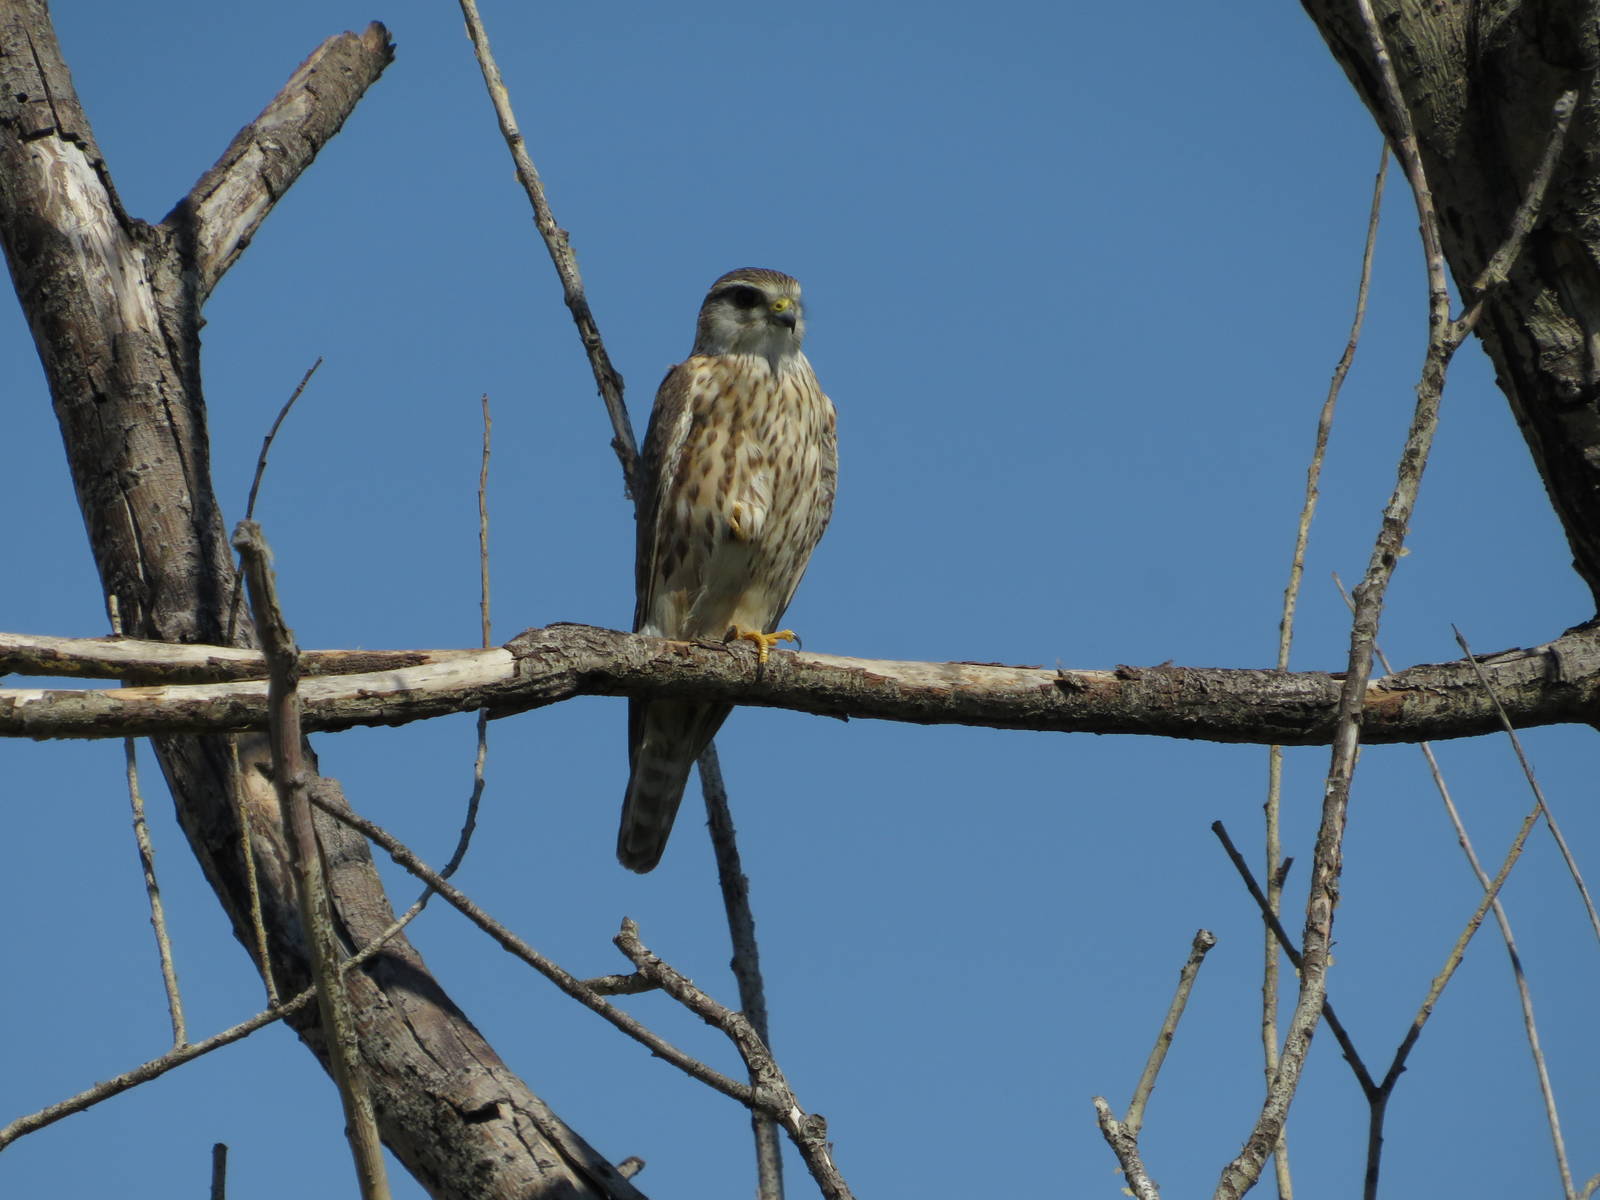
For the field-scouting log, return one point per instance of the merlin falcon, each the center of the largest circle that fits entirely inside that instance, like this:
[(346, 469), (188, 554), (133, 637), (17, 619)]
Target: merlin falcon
[(736, 486)]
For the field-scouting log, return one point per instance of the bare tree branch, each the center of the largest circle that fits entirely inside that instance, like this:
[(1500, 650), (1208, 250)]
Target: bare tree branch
[(606, 376), (1291, 595), (1444, 338), (771, 1091), (746, 958), (291, 775), (139, 661), (219, 216), (1557, 682), (114, 306)]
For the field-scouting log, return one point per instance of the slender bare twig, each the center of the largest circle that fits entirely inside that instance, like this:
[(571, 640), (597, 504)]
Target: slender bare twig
[(177, 1057), (1347, 1045), (770, 1091), (1444, 338), (1378, 1093), (746, 958), (485, 625), (247, 854), (1319, 450), (630, 1166), (1204, 940), (147, 1071), (1378, 1103), (1523, 221), (1524, 992), (1291, 595), (147, 866), (1435, 989), (255, 489), (272, 434), (560, 248), (1533, 785), (568, 983), (735, 890), (1123, 1136), (219, 1171), (470, 823), (290, 774), (246, 842)]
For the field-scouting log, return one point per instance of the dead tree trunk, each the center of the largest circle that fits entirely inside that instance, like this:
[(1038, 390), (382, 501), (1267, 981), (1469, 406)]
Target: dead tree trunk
[(1480, 81), (114, 304)]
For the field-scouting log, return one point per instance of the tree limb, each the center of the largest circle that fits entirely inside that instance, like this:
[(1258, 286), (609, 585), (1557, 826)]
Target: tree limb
[(1557, 682), (219, 216)]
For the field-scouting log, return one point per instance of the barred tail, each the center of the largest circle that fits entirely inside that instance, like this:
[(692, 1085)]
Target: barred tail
[(664, 739)]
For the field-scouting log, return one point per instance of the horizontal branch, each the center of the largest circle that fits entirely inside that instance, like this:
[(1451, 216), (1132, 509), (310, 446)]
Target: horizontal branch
[(1554, 683), (137, 661)]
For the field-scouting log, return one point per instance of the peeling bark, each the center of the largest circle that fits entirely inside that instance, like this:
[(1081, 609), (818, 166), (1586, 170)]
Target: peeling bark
[(114, 306)]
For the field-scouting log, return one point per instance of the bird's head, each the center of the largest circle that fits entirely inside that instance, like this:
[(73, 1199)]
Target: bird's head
[(752, 311)]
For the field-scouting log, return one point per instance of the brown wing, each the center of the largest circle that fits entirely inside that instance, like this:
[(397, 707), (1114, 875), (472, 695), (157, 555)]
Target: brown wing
[(658, 463)]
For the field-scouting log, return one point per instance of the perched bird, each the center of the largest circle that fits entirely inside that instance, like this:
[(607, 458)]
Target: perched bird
[(735, 488)]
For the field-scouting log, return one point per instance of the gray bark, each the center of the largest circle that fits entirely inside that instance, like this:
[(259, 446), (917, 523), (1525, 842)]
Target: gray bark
[(1481, 80), (114, 305)]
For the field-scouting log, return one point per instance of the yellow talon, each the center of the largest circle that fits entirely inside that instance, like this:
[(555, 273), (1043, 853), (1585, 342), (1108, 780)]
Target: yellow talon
[(764, 641)]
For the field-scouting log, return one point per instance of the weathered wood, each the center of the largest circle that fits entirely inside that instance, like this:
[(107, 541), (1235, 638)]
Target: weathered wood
[(136, 661), (1544, 685), (114, 306), (1480, 145)]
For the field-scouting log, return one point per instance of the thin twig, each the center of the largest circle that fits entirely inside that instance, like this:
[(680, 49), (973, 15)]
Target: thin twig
[(746, 958), (1379, 1102), (1435, 989), (1204, 940), (147, 866), (219, 1171), (247, 853), (771, 1091), (1335, 1026), (1444, 338), (290, 774), (568, 983), (483, 522), (1533, 784), (1319, 450), (1523, 221), (1524, 992), (735, 890), (1291, 595), (156, 1067), (255, 489), (470, 823), (556, 242)]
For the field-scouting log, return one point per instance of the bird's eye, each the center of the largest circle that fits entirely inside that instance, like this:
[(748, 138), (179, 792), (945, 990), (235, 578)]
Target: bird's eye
[(742, 296)]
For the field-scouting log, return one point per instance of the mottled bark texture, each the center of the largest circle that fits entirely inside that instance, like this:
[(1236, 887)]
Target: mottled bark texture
[(1481, 79), (1555, 683), (114, 306)]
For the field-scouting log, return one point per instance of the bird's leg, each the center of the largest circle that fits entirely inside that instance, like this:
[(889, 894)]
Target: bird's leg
[(764, 641)]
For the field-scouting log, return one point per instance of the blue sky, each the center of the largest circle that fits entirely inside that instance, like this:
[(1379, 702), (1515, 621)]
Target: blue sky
[(1076, 277)]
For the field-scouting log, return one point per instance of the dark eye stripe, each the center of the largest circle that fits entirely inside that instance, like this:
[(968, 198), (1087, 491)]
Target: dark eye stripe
[(742, 295)]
